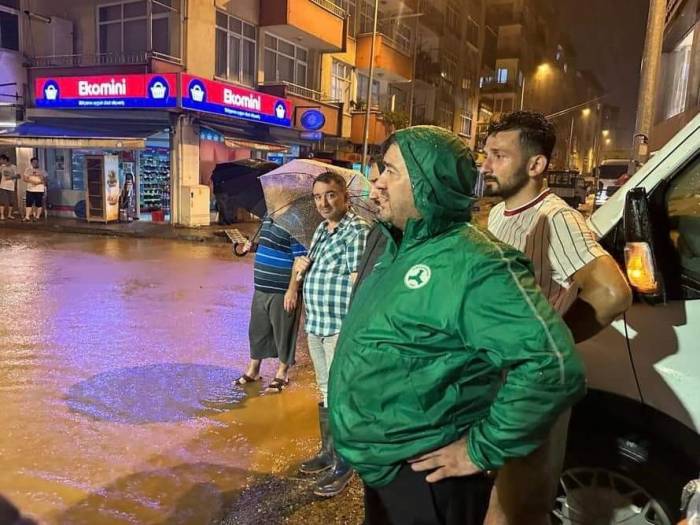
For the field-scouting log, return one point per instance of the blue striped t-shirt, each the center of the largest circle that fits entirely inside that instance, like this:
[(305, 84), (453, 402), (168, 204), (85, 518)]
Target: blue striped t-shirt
[(274, 258)]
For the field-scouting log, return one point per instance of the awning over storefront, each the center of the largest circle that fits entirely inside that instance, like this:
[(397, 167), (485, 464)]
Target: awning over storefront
[(252, 138), (234, 142), (85, 133)]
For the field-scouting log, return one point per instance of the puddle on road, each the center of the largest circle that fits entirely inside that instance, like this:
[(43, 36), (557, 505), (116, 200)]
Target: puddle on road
[(116, 363)]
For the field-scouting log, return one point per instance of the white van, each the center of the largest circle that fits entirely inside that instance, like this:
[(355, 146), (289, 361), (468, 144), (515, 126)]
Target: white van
[(635, 440), (606, 177)]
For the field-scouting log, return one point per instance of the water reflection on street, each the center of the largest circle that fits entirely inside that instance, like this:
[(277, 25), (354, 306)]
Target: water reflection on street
[(116, 362)]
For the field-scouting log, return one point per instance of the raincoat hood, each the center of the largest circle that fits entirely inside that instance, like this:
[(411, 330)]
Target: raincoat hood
[(443, 176)]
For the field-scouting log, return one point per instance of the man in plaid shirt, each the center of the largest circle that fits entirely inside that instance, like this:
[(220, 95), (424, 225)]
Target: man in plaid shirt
[(329, 273)]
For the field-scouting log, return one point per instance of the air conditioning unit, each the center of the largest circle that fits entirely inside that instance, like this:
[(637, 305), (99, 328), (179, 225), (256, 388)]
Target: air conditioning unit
[(195, 206)]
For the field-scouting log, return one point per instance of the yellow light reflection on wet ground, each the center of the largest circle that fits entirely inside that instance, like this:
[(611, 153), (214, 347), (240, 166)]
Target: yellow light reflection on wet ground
[(116, 359)]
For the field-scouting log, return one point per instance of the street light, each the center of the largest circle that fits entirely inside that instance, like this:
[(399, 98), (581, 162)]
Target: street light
[(586, 112), (369, 86), (606, 133)]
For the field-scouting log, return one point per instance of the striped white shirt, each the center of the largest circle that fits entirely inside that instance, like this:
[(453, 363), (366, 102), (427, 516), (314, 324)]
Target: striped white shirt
[(555, 237)]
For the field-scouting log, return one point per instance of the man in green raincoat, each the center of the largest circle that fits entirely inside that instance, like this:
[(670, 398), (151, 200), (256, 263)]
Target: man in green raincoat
[(450, 360)]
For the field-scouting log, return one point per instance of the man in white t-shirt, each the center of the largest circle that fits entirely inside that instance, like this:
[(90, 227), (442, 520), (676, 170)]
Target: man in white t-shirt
[(35, 178), (578, 277), (8, 178)]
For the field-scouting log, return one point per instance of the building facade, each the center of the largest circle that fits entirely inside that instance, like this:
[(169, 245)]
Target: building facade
[(304, 58), (530, 64), (678, 91)]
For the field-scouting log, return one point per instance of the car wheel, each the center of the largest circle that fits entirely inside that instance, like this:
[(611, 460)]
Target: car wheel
[(618, 479)]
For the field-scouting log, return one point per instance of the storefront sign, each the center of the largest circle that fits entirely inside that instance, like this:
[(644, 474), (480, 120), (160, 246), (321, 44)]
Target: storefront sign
[(312, 119), (107, 92), (220, 98)]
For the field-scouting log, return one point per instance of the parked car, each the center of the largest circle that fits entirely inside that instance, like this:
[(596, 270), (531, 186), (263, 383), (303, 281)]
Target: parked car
[(569, 185), (635, 439)]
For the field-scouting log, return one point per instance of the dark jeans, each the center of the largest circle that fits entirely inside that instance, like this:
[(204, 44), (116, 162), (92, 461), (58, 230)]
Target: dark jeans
[(410, 500)]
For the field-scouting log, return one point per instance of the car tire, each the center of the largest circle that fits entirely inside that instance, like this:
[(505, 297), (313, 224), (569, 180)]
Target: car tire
[(614, 477)]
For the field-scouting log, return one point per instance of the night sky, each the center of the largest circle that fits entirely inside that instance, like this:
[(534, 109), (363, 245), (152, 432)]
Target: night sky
[(608, 36)]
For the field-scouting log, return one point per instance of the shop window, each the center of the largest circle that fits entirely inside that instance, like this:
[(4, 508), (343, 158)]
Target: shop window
[(235, 49), (9, 24), (127, 28), (340, 82), (683, 206), (285, 62)]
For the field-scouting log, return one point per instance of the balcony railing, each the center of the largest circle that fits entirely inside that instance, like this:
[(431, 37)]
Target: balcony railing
[(337, 7), (498, 87), (295, 89), (396, 34), (100, 59), (385, 103)]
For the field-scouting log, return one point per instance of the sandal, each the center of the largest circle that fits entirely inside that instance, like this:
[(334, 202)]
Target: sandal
[(277, 385), (245, 379)]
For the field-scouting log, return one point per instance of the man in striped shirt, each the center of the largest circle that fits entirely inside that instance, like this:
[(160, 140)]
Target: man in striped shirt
[(578, 277), (273, 312)]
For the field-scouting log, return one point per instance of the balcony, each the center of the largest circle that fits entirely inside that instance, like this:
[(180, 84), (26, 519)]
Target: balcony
[(392, 59), (428, 68), (379, 130), (304, 98), (314, 24), (432, 19), (496, 87), (103, 63)]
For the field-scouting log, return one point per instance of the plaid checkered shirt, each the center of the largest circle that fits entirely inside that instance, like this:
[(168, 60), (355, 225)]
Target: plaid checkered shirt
[(327, 285)]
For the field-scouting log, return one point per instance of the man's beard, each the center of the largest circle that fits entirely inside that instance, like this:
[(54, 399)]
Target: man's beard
[(512, 186)]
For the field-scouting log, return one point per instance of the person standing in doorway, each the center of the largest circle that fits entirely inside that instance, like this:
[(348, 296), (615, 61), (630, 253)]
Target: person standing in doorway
[(35, 178), (8, 184), (329, 273), (581, 281)]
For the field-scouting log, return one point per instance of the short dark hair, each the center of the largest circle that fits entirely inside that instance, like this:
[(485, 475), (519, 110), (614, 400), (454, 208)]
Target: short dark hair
[(537, 134), (391, 139), (34, 158), (329, 177), (3, 156)]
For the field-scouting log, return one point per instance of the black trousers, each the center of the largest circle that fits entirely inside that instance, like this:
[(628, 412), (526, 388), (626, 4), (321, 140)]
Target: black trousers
[(410, 500)]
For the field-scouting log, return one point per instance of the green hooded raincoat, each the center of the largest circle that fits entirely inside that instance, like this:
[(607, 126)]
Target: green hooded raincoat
[(421, 355)]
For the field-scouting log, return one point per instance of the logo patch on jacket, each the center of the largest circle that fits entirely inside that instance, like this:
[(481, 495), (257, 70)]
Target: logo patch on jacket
[(417, 277)]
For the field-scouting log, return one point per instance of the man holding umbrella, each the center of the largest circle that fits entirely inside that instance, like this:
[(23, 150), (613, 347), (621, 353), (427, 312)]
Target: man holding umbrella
[(329, 273), (273, 312)]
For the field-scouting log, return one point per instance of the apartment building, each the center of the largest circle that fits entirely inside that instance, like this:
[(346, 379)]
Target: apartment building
[(173, 87), (678, 99)]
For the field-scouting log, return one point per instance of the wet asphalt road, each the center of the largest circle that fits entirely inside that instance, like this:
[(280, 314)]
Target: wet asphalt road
[(116, 362)]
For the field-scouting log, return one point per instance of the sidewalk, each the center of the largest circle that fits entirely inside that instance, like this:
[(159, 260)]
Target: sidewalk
[(136, 229)]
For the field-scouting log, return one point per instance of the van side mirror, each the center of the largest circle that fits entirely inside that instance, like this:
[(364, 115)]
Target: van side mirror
[(640, 257)]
